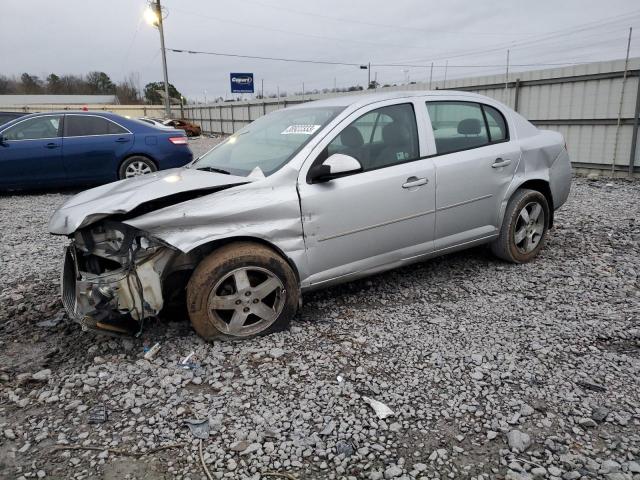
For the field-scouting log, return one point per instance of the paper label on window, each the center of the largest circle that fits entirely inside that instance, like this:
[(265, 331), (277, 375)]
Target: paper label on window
[(300, 129)]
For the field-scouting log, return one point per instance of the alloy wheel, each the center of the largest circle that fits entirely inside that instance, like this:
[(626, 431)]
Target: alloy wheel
[(246, 301), (137, 168), (529, 227)]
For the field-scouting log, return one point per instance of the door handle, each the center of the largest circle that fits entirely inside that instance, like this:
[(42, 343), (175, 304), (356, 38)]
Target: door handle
[(122, 140), (501, 163), (51, 145), (414, 182)]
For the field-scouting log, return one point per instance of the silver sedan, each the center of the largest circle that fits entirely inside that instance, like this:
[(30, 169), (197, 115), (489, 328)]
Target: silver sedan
[(306, 197)]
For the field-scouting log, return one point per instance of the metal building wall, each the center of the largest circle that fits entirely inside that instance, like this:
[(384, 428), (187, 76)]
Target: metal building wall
[(582, 102)]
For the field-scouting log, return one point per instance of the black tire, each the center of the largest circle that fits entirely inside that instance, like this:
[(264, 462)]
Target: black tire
[(214, 280), (135, 160), (513, 248)]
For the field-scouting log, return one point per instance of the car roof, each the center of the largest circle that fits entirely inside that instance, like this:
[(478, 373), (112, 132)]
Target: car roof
[(362, 99)]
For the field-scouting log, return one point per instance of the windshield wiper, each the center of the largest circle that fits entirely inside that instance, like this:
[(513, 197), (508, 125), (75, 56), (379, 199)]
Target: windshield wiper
[(214, 169)]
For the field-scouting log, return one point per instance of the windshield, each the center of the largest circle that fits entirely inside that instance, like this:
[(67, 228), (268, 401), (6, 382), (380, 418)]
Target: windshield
[(264, 146)]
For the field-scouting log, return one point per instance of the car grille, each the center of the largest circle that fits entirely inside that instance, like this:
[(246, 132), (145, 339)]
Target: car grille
[(69, 273)]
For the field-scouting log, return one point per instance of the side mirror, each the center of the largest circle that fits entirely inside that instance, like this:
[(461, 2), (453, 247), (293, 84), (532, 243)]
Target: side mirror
[(3, 140), (337, 165)]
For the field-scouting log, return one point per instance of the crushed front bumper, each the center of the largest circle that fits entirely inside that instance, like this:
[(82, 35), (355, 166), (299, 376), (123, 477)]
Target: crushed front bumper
[(96, 301)]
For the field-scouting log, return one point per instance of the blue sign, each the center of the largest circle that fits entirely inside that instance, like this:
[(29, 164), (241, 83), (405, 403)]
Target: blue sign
[(242, 83)]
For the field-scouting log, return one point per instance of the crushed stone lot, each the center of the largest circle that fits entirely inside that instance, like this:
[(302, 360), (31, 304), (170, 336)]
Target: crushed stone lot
[(492, 370)]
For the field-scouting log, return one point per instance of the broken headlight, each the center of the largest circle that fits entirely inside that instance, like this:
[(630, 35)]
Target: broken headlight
[(110, 239)]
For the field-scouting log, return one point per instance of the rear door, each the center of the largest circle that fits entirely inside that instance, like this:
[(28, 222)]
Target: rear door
[(31, 153), (475, 163), (93, 147)]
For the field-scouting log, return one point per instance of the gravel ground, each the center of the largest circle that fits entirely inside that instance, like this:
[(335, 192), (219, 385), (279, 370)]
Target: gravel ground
[(492, 370)]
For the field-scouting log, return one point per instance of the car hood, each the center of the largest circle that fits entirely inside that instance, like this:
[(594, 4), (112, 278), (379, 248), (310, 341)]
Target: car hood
[(156, 190)]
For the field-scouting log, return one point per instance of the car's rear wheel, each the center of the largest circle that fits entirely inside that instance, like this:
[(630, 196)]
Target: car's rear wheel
[(524, 227), (242, 290), (136, 166)]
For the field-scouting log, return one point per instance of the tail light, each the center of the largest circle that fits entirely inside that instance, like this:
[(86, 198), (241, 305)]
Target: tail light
[(178, 140)]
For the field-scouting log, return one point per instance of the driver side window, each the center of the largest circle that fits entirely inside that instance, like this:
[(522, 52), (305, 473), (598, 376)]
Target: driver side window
[(380, 138), (34, 129)]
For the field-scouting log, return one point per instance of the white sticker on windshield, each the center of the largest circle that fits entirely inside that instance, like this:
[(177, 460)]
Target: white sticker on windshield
[(300, 129)]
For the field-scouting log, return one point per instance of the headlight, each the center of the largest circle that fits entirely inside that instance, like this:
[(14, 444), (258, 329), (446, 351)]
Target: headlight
[(105, 239), (115, 240)]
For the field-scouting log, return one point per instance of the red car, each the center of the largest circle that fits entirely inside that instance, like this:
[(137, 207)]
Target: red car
[(191, 129)]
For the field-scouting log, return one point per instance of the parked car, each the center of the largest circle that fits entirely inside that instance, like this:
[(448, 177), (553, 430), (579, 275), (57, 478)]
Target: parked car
[(191, 129), (79, 148), (310, 196), (8, 116), (156, 122)]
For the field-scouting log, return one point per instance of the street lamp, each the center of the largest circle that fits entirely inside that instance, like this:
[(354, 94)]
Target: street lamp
[(153, 16), (150, 16)]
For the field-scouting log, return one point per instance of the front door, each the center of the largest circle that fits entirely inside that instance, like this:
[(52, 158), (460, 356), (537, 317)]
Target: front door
[(31, 153), (378, 217), (475, 163)]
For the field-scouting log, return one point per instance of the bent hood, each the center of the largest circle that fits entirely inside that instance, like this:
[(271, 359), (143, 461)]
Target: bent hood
[(162, 188)]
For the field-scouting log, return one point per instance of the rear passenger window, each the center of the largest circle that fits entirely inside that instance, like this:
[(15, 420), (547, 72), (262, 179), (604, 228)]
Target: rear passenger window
[(457, 126), (496, 123), (85, 125)]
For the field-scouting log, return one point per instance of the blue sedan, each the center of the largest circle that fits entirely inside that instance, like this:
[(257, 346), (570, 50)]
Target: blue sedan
[(57, 149)]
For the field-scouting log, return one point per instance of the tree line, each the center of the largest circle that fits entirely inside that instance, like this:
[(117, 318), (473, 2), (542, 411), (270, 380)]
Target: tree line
[(93, 83)]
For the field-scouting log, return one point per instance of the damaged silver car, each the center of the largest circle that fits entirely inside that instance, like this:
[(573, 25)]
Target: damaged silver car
[(306, 197)]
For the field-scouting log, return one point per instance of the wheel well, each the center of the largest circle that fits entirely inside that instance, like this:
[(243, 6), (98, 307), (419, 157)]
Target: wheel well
[(541, 186), (204, 250)]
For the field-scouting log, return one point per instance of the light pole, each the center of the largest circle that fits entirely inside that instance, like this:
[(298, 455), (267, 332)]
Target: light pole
[(154, 17)]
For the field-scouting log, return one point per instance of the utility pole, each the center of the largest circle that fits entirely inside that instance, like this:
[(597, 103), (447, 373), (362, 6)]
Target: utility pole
[(624, 83), (431, 76), (446, 67), (506, 81), (167, 100), (262, 88), (368, 75)]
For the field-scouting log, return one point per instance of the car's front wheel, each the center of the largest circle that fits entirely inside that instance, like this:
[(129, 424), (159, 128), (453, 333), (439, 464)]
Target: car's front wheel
[(136, 166), (241, 290), (524, 227)]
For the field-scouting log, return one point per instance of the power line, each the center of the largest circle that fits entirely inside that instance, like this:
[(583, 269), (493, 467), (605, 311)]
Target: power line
[(542, 38), (321, 62), (301, 34), (255, 57), (352, 21)]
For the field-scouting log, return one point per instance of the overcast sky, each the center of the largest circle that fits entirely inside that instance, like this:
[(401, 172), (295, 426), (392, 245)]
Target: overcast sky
[(77, 36)]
